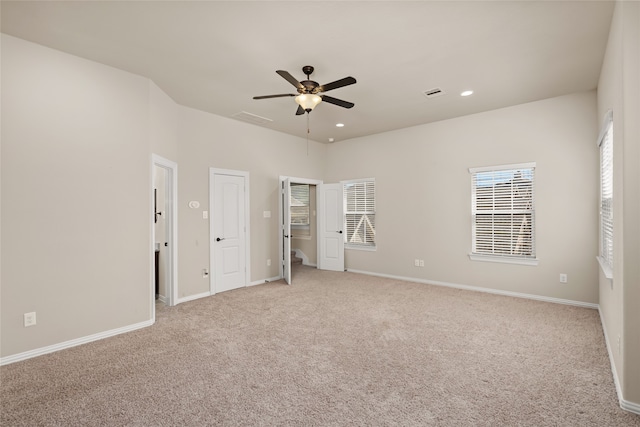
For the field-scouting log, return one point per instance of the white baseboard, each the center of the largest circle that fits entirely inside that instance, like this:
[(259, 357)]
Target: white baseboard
[(193, 297), (630, 406), (610, 352), (624, 404), (481, 289), (208, 294), (270, 279), (72, 343)]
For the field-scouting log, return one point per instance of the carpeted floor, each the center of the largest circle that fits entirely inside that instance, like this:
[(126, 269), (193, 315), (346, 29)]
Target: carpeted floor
[(334, 349)]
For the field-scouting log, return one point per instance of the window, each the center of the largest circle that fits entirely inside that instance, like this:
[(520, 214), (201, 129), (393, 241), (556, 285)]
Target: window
[(300, 210), (605, 141), (360, 213), (503, 211)]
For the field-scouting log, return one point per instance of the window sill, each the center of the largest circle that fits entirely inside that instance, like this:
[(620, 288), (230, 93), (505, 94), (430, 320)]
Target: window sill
[(606, 270), (361, 248), (503, 260)]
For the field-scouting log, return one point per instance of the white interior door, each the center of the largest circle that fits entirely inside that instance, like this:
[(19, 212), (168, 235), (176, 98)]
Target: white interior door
[(330, 221), (286, 229), (228, 232)]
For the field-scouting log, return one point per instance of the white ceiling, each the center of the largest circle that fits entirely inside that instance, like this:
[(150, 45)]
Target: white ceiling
[(215, 56)]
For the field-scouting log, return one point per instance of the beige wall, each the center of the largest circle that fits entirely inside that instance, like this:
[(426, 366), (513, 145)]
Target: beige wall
[(423, 195), (75, 197), (619, 90), (209, 141), (163, 123)]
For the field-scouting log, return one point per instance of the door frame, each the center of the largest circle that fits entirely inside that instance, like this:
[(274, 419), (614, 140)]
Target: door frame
[(247, 216), (281, 181), (171, 205), (285, 236)]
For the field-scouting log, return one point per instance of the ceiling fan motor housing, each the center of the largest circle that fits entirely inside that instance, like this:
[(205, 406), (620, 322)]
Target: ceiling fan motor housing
[(309, 87)]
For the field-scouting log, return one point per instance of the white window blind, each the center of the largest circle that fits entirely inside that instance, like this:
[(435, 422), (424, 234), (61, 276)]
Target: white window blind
[(360, 213), (503, 210), (606, 196), (300, 204)]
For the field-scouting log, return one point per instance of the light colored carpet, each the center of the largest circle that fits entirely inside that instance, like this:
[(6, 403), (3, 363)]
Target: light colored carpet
[(334, 349)]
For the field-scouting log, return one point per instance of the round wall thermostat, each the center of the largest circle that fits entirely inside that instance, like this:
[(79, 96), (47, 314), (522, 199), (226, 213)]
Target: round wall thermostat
[(194, 204)]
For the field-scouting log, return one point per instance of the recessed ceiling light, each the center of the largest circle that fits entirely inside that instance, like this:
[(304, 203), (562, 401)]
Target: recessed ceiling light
[(331, 139), (467, 93), (339, 125)]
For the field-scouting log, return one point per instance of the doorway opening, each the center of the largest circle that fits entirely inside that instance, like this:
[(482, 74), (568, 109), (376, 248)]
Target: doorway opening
[(164, 226), (304, 236), (310, 225)]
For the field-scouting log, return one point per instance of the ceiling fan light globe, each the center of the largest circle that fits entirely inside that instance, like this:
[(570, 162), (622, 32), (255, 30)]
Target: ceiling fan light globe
[(308, 101)]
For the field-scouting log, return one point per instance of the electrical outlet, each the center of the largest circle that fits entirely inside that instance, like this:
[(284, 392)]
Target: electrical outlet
[(421, 263), (416, 262), (268, 263), (30, 319), (205, 214), (563, 278)]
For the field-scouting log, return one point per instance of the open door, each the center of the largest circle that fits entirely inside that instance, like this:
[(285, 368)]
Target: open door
[(286, 229), (284, 243), (330, 222)]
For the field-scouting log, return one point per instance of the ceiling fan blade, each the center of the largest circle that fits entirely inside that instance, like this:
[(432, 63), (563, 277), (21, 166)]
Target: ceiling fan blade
[(300, 110), (338, 83), (336, 101), (273, 96), (288, 77)]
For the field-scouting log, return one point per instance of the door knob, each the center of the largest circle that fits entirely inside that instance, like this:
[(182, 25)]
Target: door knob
[(219, 238), (339, 231)]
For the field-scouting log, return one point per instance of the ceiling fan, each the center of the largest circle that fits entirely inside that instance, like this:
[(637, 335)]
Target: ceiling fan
[(308, 91)]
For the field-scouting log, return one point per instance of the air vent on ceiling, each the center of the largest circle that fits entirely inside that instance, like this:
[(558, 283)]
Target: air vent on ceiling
[(432, 93), (251, 118)]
